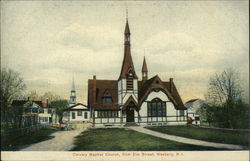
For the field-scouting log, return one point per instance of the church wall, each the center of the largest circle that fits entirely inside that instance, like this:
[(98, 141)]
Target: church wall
[(171, 113), (135, 84)]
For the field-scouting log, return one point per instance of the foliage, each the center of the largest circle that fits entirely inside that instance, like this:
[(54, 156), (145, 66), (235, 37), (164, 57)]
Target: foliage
[(12, 86), (224, 106), (60, 105), (213, 135), (33, 95), (19, 141), (125, 139)]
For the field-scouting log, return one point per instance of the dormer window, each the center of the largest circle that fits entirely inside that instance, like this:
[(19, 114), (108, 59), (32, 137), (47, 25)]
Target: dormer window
[(106, 100)]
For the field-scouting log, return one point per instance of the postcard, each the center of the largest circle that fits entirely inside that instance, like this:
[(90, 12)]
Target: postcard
[(125, 80)]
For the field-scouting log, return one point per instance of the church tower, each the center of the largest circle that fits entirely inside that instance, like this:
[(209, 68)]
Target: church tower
[(144, 70), (72, 99), (128, 80)]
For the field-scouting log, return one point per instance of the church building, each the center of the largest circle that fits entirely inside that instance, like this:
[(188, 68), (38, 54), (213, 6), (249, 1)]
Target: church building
[(76, 112), (133, 101)]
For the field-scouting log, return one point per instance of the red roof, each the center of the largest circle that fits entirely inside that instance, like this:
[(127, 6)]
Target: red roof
[(127, 64), (144, 90), (22, 102), (102, 86)]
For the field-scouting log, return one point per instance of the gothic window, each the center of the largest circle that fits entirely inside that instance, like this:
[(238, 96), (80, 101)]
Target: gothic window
[(156, 108)]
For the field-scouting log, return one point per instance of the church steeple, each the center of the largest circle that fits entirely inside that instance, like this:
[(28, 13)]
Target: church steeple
[(128, 80), (127, 65), (144, 70), (73, 93)]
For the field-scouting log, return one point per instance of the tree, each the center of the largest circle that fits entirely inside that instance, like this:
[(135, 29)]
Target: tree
[(33, 95), (224, 105), (49, 96), (60, 105), (12, 86)]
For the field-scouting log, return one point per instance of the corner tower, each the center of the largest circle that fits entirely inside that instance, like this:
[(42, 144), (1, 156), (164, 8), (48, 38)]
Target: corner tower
[(128, 80)]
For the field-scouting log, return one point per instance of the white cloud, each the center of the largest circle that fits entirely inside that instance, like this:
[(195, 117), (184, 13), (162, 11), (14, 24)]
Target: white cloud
[(92, 37)]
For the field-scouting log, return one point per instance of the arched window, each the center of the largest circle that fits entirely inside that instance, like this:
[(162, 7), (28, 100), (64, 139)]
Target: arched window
[(156, 108)]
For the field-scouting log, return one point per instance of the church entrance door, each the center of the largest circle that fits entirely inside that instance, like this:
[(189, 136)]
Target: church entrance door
[(130, 114)]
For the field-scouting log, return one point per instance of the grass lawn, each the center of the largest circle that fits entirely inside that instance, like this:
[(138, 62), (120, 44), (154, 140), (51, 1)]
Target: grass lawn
[(17, 142), (123, 139), (219, 136)]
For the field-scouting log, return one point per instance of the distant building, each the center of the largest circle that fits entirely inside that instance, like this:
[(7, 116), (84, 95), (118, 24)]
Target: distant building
[(128, 100), (193, 109), (76, 112), (34, 112)]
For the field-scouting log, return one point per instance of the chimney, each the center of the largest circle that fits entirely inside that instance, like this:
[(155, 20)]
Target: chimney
[(171, 85), (94, 89)]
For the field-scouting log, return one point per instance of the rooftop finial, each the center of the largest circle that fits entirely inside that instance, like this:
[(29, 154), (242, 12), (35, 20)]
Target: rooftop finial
[(127, 14)]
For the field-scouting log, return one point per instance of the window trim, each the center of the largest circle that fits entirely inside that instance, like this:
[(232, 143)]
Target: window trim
[(156, 105)]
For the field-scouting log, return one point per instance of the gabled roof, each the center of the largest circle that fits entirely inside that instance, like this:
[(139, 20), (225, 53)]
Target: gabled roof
[(156, 83), (102, 87), (129, 101), (73, 107), (192, 100), (22, 102), (144, 66), (18, 102)]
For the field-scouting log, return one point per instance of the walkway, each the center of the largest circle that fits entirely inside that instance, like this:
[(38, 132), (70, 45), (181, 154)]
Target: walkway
[(185, 140), (63, 141)]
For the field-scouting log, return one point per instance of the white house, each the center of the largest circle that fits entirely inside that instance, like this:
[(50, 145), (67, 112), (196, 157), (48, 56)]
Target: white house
[(76, 113), (193, 109), (34, 112), (130, 101)]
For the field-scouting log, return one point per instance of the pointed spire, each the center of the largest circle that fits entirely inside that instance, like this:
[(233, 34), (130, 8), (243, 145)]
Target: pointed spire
[(127, 64), (127, 14), (144, 66), (73, 85), (127, 31)]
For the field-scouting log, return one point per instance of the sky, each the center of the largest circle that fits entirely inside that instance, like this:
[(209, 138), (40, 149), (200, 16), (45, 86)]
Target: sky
[(50, 42)]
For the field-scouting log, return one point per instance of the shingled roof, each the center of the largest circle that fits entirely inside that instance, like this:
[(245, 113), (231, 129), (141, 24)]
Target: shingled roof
[(127, 64), (102, 86), (96, 94), (22, 102), (155, 83)]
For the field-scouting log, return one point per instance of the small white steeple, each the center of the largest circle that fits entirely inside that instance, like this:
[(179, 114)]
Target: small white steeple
[(72, 93)]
